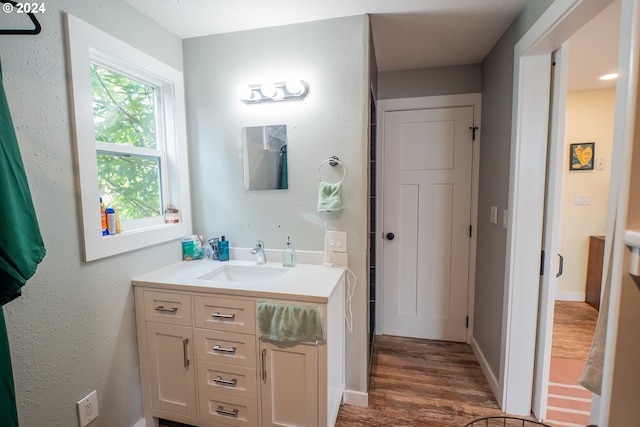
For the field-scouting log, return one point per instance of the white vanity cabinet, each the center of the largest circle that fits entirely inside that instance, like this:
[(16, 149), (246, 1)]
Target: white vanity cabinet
[(202, 362), (289, 384), (169, 350)]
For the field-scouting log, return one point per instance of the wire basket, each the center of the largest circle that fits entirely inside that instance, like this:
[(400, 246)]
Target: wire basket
[(504, 422)]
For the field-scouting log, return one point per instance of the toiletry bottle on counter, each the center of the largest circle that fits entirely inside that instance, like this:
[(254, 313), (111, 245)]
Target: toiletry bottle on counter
[(213, 242), (223, 249), (103, 217), (111, 220), (288, 255)]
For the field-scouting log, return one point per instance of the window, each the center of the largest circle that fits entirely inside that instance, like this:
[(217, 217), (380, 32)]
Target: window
[(130, 141)]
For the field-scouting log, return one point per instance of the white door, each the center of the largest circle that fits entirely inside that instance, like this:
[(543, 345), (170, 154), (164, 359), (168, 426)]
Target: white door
[(426, 214), (552, 265)]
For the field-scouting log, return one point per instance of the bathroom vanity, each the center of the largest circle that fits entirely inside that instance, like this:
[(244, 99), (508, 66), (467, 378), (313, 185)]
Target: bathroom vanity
[(202, 361)]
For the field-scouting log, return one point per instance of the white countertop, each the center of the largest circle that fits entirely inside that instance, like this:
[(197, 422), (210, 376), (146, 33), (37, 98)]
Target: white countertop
[(304, 282)]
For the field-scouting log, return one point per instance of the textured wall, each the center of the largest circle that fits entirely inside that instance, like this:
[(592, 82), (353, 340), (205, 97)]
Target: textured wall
[(497, 94), (332, 56), (73, 329), (430, 81)]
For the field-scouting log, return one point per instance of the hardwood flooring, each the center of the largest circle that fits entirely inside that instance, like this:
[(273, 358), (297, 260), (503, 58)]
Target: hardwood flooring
[(574, 324), (422, 383)]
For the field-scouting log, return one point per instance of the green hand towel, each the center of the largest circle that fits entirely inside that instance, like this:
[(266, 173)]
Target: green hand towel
[(290, 322), (330, 198)]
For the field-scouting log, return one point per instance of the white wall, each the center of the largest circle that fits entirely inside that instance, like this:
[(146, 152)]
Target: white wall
[(332, 56), (73, 330), (590, 117)]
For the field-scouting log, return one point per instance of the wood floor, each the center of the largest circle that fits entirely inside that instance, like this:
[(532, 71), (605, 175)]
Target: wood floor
[(422, 383), (574, 324)]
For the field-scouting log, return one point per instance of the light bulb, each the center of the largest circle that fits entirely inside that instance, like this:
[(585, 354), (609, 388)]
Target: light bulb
[(294, 87), (245, 93), (268, 90)]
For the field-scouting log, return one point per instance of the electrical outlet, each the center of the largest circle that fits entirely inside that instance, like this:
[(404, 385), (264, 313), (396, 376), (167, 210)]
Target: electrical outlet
[(336, 241), (88, 408)]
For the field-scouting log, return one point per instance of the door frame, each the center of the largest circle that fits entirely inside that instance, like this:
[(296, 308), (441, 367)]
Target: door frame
[(421, 103), (529, 126)]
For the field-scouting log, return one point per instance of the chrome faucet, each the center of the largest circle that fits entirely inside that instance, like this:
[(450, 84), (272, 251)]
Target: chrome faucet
[(258, 251)]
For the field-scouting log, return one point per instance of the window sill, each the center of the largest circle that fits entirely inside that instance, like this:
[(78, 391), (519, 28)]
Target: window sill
[(98, 246)]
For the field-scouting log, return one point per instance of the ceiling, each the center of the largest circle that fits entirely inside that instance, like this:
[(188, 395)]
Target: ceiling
[(407, 34)]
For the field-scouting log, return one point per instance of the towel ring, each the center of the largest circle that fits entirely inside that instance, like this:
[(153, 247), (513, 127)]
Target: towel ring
[(333, 161)]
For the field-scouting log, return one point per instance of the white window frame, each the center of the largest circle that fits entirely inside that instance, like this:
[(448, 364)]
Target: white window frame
[(87, 45)]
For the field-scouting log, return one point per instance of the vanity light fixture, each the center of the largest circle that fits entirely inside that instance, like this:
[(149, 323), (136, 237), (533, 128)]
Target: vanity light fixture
[(291, 90)]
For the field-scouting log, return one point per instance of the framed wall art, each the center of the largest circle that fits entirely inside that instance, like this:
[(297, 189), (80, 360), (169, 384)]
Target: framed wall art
[(582, 155)]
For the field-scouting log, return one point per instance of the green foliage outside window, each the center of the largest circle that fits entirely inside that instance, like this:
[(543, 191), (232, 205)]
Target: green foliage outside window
[(124, 113)]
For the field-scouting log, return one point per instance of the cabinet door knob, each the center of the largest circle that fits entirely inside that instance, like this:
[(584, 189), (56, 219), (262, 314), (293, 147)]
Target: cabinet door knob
[(390, 236)]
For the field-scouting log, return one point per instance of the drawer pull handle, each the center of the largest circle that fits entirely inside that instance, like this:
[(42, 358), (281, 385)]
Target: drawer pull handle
[(223, 316), (161, 309), (220, 380), (224, 349), (227, 413), (264, 365), (185, 353)]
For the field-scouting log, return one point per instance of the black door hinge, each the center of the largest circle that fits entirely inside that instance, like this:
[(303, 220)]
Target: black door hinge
[(473, 132), (467, 322), (542, 263), (470, 230)]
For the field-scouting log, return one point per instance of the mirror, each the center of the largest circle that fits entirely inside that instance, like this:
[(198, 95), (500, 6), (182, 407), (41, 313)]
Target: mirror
[(265, 157)]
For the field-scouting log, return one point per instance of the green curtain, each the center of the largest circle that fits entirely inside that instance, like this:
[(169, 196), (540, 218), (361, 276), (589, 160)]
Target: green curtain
[(21, 246)]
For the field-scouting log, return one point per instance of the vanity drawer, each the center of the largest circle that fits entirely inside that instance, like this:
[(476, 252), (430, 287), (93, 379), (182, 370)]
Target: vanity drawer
[(225, 347), (167, 307), (228, 410), (224, 314), (226, 379)]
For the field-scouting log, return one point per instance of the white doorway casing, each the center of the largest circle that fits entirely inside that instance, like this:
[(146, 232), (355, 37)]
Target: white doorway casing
[(526, 193), (419, 103)]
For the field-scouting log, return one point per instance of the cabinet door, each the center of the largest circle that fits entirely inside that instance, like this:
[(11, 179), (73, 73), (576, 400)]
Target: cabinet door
[(289, 384), (171, 368)]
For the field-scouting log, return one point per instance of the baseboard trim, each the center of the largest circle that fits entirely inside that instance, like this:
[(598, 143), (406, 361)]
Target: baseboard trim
[(571, 296), (356, 398), (141, 423), (486, 369)]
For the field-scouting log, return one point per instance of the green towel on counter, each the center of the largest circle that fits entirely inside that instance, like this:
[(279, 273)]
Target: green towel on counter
[(21, 247), (330, 198), (290, 322)]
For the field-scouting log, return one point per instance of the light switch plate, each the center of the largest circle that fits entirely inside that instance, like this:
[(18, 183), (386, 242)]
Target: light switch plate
[(336, 241), (494, 214), (600, 163), (582, 199)]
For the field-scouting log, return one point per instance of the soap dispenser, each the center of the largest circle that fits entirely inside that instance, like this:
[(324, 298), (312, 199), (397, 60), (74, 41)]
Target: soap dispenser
[(288, 255), (223, 249)]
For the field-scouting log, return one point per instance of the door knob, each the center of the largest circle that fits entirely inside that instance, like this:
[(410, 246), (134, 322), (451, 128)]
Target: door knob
[(390, 236)]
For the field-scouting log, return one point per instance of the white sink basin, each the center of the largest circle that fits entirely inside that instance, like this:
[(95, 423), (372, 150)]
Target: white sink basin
[(245, 274)]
